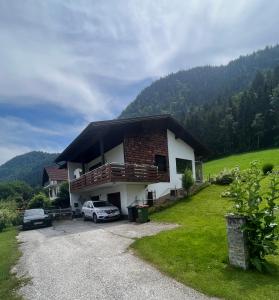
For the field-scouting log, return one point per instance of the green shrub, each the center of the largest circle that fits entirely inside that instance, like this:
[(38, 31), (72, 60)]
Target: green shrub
[(187, 180), (267, 168), (9, 215), (39, 201), (2, 221), (15, 188), (225, 177), (63, 199), (259, 210)]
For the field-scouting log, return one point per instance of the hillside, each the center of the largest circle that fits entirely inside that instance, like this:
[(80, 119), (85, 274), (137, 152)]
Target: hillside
[(230, 109), (27, 167), (242, 160), (177, 92)]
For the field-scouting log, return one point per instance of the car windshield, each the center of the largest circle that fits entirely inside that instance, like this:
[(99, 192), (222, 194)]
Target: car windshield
[(101, 203), (34, 212)]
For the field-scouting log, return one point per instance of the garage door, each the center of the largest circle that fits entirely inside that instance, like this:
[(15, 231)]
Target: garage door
[(115, 199)]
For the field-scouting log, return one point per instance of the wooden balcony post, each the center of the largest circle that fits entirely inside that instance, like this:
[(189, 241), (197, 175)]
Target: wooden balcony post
[(102, 151), (83, 168)]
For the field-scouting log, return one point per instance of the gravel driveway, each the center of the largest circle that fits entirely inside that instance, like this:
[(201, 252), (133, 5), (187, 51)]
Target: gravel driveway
[(83, 260)]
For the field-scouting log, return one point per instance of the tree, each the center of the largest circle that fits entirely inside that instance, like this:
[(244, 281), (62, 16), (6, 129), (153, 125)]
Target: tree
[(187, 180), (39, 201), (258, 126), (19, 191), (63, 199)]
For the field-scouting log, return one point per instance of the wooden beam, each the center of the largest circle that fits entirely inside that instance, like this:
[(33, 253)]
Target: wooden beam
[(83, 168), (102, 151)]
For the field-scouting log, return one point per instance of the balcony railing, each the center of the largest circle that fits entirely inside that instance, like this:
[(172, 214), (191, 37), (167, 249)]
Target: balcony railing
[(114, 172)]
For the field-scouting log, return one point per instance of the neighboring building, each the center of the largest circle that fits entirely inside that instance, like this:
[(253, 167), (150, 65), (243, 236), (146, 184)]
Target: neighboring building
[(53, 177), (128, 161)]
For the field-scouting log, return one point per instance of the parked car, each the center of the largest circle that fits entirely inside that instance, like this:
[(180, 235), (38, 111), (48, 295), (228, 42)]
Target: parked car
[(99, 210), (34, 218)]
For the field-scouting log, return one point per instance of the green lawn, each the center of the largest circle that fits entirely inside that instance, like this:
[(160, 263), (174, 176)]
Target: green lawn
[(242, 160), (9, 254), (196, 252)]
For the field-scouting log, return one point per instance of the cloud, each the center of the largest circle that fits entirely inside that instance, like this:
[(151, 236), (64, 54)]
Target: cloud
[(89, 59), (56, 51), (9, 151), (19, 136)]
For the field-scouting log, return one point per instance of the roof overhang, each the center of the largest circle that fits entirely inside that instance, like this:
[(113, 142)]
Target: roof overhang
[(87, 145)]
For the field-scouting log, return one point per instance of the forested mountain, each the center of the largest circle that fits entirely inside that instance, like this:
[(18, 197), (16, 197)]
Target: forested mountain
[(227, 107), (246, 121), (27, 167)]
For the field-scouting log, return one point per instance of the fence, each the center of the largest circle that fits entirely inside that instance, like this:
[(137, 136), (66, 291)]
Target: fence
[(60, 213)]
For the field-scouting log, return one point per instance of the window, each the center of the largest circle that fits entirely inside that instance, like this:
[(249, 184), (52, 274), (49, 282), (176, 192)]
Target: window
[(182, 165), (95, 198), (101, 203), (161, 162)]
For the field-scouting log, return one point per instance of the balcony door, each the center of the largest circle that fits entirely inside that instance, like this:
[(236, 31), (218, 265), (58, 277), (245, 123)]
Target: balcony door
[(115, 199)]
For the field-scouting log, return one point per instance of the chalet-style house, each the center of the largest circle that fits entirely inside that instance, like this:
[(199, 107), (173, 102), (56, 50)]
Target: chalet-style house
[(128, 161), (53, 177)]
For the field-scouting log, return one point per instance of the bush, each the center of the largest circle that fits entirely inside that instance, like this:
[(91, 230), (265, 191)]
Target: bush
[(63, 199), (2, 221), (9, 216), (15, 188), (267, 168), (39, 201), (259, 210), (225, 177), (187, 180)]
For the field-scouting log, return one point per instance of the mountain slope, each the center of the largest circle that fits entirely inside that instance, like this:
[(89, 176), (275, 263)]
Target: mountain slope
[(27, 167), (177, 92)]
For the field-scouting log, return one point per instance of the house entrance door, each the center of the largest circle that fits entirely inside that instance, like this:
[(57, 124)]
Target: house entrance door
[(115, 199)]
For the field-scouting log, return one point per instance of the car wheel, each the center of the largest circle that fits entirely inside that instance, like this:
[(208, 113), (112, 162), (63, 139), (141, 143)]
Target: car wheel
[(84, 218), (95, 219)]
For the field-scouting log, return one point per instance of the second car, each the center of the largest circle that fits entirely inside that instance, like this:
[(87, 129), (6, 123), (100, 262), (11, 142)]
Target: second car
[(100, 210)]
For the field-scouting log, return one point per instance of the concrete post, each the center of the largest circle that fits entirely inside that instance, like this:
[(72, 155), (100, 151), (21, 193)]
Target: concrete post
[(237, 242)]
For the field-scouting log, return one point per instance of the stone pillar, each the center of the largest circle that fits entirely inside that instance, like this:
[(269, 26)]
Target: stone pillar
[(237, 242)]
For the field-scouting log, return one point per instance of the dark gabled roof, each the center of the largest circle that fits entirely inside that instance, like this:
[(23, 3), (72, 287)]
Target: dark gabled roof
[(112, 132), (54, 173)]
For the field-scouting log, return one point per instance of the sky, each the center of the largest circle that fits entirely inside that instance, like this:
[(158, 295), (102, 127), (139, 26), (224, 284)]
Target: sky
[(65, 63)]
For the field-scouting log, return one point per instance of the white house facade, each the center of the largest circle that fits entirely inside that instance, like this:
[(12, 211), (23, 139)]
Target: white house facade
[(129, 161), (53, 177)]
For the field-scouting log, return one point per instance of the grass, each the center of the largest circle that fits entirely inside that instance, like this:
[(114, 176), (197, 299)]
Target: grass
[(9, 255), (196, 253), (242, 160)]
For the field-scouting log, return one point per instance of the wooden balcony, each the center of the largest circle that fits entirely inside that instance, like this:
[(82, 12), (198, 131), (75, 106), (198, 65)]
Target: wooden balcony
[(114, 172)]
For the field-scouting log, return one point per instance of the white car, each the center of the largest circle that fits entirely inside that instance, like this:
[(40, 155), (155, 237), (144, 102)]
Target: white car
[(99, 210)]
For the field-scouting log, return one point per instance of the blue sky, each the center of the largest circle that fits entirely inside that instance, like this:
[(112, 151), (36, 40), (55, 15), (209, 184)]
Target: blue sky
[(66, 63)]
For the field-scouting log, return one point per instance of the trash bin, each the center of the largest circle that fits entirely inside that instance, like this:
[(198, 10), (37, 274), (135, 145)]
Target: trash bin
[(132, 213), (142, 214)]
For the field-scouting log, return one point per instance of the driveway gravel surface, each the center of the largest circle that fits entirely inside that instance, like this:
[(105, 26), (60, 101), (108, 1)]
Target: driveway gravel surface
[(82, 260)]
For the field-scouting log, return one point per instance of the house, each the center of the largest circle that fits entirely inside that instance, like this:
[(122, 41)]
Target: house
[(53, 177), (127, 161)]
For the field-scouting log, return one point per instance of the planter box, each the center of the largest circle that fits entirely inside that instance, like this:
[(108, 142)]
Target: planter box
[(237, 242)]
